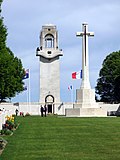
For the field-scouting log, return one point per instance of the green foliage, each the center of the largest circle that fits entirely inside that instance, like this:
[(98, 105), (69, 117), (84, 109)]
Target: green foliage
[(9, 126), (117, 89), (1, 146), (6, 132), (11, 69), (3, 31), (0, 3), (11, 73), (3, 34), (2, 132), (108, 83)]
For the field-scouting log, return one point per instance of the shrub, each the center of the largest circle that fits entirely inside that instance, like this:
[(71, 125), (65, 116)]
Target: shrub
[(1, 146), (7, 132), (2, 131), (9, 124)]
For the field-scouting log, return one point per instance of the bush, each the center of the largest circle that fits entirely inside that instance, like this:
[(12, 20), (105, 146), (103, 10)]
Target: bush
[(8, 127), (2, 131), (1, 146), (7, 132), (9, 124)]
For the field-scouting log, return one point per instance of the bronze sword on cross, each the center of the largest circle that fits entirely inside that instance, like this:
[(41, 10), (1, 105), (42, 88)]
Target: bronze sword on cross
[(85, 34), (85, 61)]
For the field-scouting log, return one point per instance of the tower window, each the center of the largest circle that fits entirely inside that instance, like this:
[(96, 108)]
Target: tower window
[(49, 41)]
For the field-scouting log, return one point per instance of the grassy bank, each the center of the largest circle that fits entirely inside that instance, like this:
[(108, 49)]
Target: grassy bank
[(52, 138)]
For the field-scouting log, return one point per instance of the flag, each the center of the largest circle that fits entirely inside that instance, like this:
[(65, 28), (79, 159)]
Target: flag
[(26, 74), (70, 87), (81, 74), (77, 75)]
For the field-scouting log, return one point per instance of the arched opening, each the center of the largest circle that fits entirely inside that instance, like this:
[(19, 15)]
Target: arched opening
[(49, 41), (49, 101)]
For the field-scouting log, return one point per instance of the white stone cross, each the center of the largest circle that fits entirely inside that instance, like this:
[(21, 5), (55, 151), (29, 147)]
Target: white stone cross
[(85, 65)]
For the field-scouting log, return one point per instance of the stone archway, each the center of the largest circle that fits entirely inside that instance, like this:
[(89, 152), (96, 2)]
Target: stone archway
[(49, 101)]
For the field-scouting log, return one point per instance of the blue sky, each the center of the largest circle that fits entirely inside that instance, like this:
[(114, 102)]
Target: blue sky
[(24, 20)]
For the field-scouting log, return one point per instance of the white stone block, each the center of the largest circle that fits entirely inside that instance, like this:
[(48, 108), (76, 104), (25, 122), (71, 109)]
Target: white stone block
[(86, 112)]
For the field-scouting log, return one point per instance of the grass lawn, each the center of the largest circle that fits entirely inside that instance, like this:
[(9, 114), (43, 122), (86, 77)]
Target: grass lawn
[(57, 138)]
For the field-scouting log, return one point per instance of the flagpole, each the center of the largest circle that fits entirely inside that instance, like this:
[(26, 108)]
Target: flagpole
[(72, 93), (29, 96), (27, 76)]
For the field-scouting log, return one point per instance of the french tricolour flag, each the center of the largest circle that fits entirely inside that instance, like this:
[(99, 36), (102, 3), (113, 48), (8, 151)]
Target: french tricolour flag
[(77, 75), (70, 87)]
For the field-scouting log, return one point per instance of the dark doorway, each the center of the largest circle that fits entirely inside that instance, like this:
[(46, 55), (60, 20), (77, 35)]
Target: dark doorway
[(49, 108)]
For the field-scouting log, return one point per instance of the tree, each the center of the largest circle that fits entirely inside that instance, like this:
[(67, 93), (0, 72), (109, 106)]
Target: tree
[(108, 83), (3, 31), (11, 70), (117, 89)]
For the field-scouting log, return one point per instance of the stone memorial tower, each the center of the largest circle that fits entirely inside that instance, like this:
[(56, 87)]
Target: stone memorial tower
[(49, 55)]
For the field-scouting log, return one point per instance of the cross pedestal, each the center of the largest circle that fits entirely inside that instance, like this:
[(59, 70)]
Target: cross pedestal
[(85, 96)]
